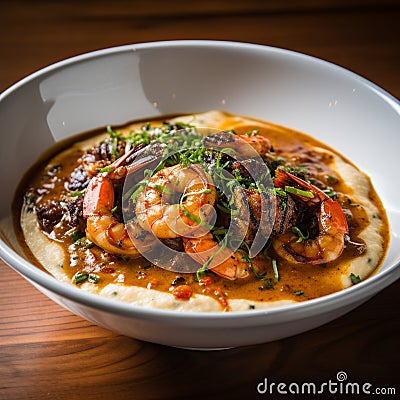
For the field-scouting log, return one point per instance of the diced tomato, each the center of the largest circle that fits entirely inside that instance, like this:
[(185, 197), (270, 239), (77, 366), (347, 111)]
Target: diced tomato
[(219, 295), (207, 280), (152, 284), (182, 292)]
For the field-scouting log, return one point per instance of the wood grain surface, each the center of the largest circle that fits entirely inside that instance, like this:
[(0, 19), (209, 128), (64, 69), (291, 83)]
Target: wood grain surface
[(48, 353)]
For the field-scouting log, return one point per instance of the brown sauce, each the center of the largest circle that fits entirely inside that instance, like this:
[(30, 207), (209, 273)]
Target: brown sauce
[(296, 282)]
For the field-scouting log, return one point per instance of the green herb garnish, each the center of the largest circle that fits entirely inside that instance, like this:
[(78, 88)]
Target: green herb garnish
[(93, 278), (191, 216), (268, 284), (300, 234), (80, 277), (355, 279), (108, 168), (331, 193), (299, 192), (276, 272), (77, 235), (76, 193)]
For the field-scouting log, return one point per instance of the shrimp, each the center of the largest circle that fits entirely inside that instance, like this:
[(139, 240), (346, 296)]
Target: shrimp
[(102, 227), (178, 201), (220, 260), (246, 145), (329, 243)]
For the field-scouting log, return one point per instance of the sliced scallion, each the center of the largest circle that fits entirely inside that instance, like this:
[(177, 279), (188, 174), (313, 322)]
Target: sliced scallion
[(300, 234), (299, 192), (276, 272), (80, 277)]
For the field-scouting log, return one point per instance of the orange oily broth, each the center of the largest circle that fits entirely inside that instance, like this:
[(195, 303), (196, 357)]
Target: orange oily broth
[(296, 282)]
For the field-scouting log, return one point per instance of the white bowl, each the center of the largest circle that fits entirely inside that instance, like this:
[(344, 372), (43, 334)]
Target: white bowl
[(116, 85)]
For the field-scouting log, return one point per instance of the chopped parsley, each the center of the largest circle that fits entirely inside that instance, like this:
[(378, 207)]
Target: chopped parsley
[(355, 279)]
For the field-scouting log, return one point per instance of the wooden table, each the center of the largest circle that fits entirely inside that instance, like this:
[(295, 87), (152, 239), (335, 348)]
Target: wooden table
[(47, 352)]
